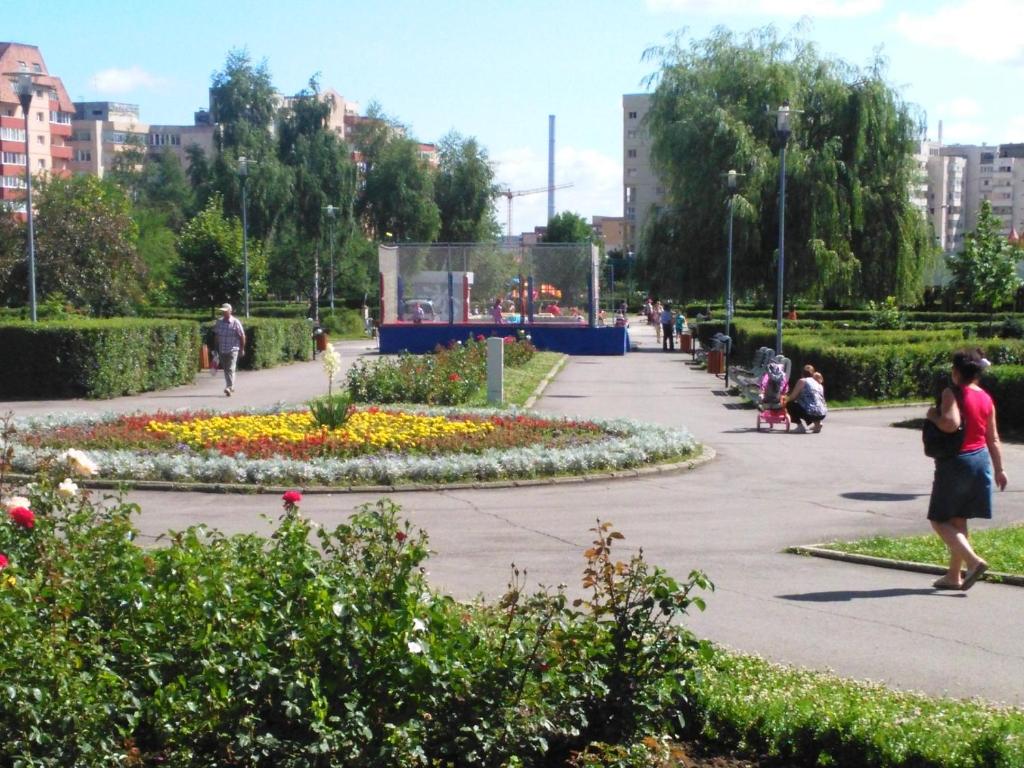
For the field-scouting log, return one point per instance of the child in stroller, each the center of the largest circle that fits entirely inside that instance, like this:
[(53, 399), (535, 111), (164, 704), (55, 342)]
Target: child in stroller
[(771, 401)]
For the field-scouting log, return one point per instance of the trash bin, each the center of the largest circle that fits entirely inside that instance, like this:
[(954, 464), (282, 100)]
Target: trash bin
[(322, 341), (204, 357), (716, 361), (686, 342)]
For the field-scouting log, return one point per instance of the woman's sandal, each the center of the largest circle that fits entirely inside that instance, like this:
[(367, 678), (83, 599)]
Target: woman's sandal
[(943, 584), (973, 575)]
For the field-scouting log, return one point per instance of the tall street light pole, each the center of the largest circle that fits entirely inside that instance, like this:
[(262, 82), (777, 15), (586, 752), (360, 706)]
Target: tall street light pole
[(783, 130), (332, 212), (732, 181), (23, 86), (243, 175)]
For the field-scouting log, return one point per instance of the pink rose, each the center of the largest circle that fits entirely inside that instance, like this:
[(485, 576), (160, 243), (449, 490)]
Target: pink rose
[(23, 517), (291, 498), (4, 562)]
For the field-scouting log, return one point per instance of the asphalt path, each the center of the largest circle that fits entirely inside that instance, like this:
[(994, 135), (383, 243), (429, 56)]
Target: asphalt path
[(731, 518)]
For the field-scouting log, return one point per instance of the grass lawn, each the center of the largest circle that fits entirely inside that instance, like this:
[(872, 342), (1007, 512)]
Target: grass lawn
[(1002, 548), (521, 382)]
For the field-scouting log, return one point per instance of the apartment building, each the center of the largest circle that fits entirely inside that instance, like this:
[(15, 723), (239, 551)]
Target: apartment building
[(643, 193), (49, 126), (610, 230)]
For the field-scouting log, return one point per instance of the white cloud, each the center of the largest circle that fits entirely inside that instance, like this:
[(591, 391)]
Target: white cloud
[(978, 29), (791, 8), (596, 185), (117, 81)]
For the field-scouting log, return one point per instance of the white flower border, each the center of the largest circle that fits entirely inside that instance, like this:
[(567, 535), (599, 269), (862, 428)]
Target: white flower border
[(629, 444)]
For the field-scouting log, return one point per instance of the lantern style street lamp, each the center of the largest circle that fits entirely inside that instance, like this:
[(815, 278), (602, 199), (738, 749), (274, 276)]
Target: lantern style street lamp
[(732, 180), (332, 213), (23, 86), (243, 176)]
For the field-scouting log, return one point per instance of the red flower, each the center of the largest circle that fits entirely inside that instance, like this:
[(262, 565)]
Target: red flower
[(23, 517), (4, 562), (480, 337), (292, 497), (453, 377), (401, 536), (509, 340)]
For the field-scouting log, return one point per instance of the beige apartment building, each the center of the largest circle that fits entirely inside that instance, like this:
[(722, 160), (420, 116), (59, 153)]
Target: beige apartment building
[(643, 194), (611, 231), (49, 123)]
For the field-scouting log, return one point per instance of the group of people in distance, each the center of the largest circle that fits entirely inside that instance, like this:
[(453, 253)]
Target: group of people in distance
[(669, 325)]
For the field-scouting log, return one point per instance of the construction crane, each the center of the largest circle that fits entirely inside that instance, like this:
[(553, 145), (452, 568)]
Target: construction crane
[(509, 193)]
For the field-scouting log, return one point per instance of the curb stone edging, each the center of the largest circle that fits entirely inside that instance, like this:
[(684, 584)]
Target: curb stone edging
[(705, 455), (533, 398), (819, 550)]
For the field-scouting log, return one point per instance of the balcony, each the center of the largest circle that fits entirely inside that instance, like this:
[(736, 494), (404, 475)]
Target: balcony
[(60, 129), (60, 152)]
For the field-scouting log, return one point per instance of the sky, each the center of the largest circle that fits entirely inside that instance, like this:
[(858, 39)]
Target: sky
[(495, 69)]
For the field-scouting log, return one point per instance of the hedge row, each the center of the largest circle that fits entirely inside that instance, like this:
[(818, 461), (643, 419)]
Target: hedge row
[(884, 365), (96, 358), (270, 342)]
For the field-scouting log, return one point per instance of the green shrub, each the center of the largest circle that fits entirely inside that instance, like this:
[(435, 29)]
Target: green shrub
[(271, 342), (342, 322), (96, 358), (449, 376)]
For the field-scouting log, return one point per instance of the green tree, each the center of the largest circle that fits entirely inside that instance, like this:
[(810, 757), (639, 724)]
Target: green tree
[(86, 245), (398, 194), (851, 230), (985, 271), (13, 270), (464, 191), (211, 268)]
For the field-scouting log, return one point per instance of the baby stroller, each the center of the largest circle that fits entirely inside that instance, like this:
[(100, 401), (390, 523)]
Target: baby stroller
[(771, 404)]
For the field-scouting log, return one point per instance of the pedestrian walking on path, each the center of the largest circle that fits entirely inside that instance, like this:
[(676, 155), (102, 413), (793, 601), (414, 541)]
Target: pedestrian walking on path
[(668, 338), (962, 487), (230, 338)]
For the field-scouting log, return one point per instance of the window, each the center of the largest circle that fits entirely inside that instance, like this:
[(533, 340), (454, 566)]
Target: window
[(22, 66), (12, 134), (630, 134), (14, 182), (53, 94), (40, 140), (8, 113), (631, 153), (42, 163), (37, 67), (81, 136), (14, 158), (83, 156), (632, 115), (630, 194), (40, 118), (60, 118), (630, 172)]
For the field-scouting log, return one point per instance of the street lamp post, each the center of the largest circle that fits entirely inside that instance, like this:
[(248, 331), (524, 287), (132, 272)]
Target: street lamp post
[(332, 212), (243, 175), (782, 130), (731, 180), (23, 86)]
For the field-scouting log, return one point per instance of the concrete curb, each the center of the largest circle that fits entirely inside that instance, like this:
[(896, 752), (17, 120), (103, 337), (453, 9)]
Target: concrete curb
[(706, 454), (545, 381), (818, 550)]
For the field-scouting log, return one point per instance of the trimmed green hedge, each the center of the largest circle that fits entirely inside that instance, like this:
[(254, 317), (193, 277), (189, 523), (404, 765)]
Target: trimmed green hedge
[(270, 341), (96, 358)]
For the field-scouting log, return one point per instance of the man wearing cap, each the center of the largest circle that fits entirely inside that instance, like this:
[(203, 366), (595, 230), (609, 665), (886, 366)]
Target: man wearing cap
[(230, 345)]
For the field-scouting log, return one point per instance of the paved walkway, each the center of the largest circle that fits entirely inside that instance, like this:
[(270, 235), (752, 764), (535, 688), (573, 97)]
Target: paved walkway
[(731, 518)]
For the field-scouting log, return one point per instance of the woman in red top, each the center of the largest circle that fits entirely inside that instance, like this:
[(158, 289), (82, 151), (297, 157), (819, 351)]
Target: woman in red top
[(962, 487)]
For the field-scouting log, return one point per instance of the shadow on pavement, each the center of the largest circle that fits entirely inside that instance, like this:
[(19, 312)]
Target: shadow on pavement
[(880, 496), (848, 595)]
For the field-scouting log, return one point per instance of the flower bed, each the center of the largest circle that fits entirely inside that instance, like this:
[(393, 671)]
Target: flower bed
[(375, 446)]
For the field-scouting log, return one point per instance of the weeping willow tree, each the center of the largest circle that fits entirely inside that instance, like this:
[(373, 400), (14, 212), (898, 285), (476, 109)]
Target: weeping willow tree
[(852, 232)]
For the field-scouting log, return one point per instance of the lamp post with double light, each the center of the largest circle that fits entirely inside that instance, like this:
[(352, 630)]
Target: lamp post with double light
[(243, 176), (732, 181), (24, 87), (783, 130), (332, 213)]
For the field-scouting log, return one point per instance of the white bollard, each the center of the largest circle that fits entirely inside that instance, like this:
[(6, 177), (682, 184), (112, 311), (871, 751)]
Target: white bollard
[(495, 370)]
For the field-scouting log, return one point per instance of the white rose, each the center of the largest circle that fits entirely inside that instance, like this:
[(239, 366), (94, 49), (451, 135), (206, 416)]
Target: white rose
[(16, 501), (415, 647), (419, 625), (80, 463), (67, 489)]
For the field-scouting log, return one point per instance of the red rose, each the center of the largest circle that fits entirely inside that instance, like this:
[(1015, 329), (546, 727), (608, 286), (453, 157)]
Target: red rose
[(23, 517), (480, 337), (292, 497), (453, 377), (509, 340), (401, 536), (4, 562)]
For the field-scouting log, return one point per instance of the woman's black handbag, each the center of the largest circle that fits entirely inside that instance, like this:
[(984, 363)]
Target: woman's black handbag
[(944, 445)]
